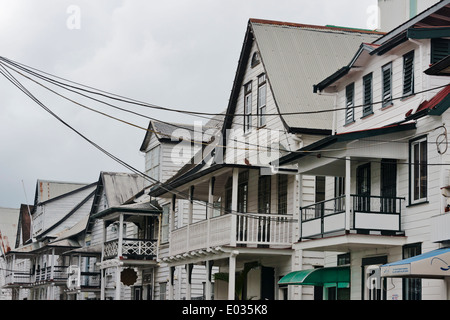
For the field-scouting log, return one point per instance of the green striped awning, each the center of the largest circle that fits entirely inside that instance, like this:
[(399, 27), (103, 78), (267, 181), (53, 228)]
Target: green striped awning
[(318, 277)]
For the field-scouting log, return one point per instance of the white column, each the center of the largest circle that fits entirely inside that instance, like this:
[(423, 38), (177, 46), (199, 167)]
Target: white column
[(232, 275), (119, 254), (102, 271), (189, 280), (208, 266), (347, 192), (234, 190), (118, 283), (120, 238)]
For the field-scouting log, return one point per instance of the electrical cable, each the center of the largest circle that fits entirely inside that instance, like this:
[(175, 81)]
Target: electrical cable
[(146, 104), (183, 195)]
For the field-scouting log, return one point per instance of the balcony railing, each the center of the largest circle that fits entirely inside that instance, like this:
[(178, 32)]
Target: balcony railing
[(131, 248), (233, 230), (59, 273), (369, 213), (18, 278)]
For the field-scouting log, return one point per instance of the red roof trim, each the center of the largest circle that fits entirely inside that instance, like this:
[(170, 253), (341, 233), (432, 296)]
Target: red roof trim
[(430, 104), (299, 25)]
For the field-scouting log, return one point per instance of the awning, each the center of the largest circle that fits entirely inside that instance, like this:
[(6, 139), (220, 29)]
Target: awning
[(339, 276), (433, 264)]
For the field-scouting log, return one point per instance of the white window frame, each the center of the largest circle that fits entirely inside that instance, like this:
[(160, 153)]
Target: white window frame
[(262, 99), (415, 182)]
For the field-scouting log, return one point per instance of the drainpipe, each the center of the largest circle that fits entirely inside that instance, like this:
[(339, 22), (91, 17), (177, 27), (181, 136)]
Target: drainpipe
[(334, 94)]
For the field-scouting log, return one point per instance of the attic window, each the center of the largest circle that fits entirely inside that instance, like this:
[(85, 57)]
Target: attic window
[(255, 59)]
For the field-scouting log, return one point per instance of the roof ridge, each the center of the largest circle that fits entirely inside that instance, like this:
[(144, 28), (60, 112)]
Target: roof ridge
[(312, 26)]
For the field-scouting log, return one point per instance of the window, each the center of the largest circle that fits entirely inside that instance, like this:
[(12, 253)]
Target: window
[(152, 163), (255, 60), (408, 73), (264, 194), (162, 290), (262, 95), (248, 107), (418, 170), (386, 72), (367, 95), (165, 223), (440, 48), (349, 98), (282, 193), (242, 192), (320, 195), (412, 287)]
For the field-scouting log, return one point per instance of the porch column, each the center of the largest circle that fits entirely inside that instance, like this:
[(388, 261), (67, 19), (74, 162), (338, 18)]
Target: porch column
[(52, 265), (234, 205), (120, 238), (232, 275), (119, 253), (191, 204), (172, 214), (208, 267), (234, 190), (102, 271), (189, 280), (347, 192), (171, 274), (118, 286), (210, 206)]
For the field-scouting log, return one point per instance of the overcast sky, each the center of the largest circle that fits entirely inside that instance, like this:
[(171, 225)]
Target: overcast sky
[(173, 53)]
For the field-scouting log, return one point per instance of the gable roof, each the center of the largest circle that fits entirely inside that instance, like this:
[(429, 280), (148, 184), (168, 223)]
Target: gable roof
[(170, 131), (294, 57)]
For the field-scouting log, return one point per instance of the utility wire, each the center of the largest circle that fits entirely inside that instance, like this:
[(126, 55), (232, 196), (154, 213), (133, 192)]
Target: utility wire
[(174, 191), (146, 104), (258, 147)]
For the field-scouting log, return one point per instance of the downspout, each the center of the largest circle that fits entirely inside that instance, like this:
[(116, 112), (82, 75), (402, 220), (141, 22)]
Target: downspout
[(334, 121)]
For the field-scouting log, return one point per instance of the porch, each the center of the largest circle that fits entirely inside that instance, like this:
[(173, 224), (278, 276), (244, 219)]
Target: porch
[(236, 230), (367, 214)]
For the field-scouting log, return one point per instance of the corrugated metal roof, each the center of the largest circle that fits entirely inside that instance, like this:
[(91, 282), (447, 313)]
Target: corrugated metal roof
[(9, 219), (296, 57), (46, 189), (120, 187)]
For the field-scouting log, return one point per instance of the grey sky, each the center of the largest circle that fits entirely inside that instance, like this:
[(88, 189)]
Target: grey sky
[(174, 53)]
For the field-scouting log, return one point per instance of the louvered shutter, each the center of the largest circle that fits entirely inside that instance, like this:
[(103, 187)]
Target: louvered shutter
[(440, 48), (408, 73), (349, 112)]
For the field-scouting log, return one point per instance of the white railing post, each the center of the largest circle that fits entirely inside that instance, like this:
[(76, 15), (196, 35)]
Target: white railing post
[(347, 192)]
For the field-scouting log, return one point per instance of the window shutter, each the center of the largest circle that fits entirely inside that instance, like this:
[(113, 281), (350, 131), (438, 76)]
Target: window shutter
[(440, 48), (349, 112), (367, 84), (387, 75), (408, 73)]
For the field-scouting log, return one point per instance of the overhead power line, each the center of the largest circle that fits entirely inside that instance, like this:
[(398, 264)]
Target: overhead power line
[(189, 112)]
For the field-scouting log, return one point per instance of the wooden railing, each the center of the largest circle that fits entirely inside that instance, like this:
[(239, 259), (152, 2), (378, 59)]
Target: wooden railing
[(131, 248), (373, 213), (233, 230)]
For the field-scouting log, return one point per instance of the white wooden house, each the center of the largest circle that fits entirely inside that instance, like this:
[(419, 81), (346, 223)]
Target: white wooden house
[(9, 219), (123, 229), (250, 204), (165, 155), (386, 169), (39, 265)]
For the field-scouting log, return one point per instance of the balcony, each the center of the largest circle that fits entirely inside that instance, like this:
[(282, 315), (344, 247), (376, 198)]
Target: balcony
[(16, 279), (137, 249), (365, 215), (268, 230), (49, 274)]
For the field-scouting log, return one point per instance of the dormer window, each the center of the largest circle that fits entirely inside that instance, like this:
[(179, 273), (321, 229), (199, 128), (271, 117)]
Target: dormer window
[(255, 60)]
